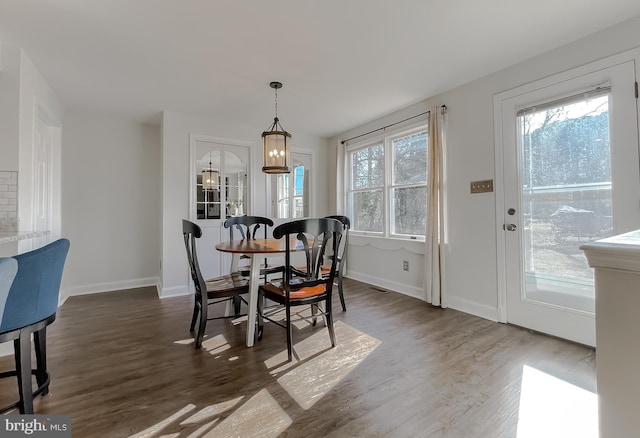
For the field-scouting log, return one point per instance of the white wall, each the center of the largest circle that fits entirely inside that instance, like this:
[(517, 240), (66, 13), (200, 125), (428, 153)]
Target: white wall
[(9, 106), (111, 194), (176, 129), (470, 250)]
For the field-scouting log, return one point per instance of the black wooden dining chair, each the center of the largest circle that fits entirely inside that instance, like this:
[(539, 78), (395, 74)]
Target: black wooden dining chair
[(251, 227), (341, 258), (341, 255), (212, 291), (315, 236)]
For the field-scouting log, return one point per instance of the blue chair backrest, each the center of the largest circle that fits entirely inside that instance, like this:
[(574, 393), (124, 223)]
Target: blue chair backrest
[(35, 290), (8, 270)]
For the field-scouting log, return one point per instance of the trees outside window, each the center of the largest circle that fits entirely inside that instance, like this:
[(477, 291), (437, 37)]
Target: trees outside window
[(387, 187)]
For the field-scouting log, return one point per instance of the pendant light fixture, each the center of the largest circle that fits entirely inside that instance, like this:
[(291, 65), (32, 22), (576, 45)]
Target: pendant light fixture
[(210, 177), (276, 143)]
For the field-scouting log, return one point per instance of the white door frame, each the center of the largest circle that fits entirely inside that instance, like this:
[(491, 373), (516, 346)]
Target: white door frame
[(219, 263), (632, 55)]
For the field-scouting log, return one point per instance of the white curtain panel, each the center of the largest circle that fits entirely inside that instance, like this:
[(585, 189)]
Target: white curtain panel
[(432, 251), (341, 199)]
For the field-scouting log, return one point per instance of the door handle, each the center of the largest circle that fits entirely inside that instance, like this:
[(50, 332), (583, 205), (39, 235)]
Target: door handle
[(510, 227)]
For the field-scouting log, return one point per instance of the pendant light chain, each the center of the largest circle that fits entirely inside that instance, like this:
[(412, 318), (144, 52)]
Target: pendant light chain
[(276, 104)]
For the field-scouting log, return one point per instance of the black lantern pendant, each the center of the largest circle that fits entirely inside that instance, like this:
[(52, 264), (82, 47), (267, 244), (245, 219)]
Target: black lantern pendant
[(276, 143), (210, 177)]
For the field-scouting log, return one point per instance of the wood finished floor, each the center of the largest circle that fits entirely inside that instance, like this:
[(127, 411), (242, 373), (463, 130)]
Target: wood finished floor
[(122, 363)]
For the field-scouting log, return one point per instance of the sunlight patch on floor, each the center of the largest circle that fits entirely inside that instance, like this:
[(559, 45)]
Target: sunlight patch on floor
[(297, 317), (239, 320), (184, 341), (203, 429), (261, 416), (550, 407), (214, 346), (316, 369), (308, 379), (211, 411), (156, 428)]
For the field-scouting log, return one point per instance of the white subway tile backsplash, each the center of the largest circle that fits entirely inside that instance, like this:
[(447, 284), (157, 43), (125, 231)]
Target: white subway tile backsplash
[(8, 200)]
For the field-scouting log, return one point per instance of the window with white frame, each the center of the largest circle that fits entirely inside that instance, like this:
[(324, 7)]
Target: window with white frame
[(291, 190), (387, 186)]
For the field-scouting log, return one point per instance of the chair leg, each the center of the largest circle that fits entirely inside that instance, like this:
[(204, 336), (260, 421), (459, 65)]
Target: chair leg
[(195, 315), (260, 319), (22, 347), (314, 312), (329, 320), (237, 302), (40, 341), (341, 293), (202, 326), (289, 334)]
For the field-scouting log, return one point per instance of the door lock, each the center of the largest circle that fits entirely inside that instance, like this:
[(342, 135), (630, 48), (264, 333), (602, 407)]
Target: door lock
[(510, 227)]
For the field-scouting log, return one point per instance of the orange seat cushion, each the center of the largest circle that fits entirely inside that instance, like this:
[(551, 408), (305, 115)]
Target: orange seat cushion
[(306, 292)]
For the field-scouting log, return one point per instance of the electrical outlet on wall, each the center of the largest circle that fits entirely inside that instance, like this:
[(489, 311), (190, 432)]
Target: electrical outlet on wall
[(405, 265)]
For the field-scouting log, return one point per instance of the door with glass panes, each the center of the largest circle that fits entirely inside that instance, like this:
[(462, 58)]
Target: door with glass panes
[(570, 175), (218, 190)]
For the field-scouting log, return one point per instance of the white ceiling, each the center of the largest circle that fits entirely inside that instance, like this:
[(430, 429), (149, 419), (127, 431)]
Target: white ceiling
[(342, 62)]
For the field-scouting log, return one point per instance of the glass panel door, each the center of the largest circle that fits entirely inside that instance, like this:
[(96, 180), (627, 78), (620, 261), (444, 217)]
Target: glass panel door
[(219, 189), (565, 197), (570, 174), (291, 190)]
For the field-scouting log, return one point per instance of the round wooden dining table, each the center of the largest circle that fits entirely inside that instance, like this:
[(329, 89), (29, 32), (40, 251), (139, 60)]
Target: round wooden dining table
[(251, 248)]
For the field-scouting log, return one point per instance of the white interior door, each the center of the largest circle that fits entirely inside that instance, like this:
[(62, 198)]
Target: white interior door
[(211, 205), (570, 175), (45, 199)]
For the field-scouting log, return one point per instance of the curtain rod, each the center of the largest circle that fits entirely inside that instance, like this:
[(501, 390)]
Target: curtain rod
[(444, 107)]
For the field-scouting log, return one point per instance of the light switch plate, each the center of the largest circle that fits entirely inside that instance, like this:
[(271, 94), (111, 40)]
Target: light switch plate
[(482, 186)]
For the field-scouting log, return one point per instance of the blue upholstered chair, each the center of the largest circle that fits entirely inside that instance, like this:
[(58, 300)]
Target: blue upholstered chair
[(28, 308), (8, 271)]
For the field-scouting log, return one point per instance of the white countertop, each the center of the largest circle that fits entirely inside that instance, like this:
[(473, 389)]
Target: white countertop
[(615, 252), (14, 236)]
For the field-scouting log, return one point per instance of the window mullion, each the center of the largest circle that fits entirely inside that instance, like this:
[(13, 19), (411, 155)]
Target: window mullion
[(388, 171)]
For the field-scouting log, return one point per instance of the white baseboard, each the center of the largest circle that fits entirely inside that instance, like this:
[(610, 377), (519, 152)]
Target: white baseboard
[(453, 302), (404, 289), (108, 287), (473, 308), (175, 291)]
